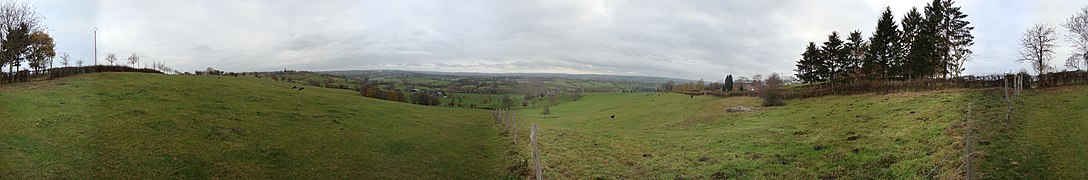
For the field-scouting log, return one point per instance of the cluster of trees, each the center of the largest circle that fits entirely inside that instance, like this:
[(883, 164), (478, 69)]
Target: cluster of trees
[(24, 40), (1039, 42), (208, 71), (421, 98), (379, 93), (699, 85), (931, 43), (132, 59), (770, 90), (729, 84)]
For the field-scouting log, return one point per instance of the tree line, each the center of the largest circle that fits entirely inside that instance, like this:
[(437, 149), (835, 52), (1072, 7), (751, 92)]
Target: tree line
[(930, 43), (25, 40)]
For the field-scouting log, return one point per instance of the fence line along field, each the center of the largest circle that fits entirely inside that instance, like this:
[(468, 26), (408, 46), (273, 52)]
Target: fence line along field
[(139, 125), (668, 135)]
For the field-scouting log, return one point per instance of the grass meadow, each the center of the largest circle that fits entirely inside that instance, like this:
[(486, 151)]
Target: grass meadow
[(136, 126)]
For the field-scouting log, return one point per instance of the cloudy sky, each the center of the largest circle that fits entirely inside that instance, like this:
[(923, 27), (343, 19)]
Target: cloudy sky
[(682, 39)]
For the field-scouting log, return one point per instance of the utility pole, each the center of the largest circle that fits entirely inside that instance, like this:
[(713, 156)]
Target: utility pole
[(95, 45)]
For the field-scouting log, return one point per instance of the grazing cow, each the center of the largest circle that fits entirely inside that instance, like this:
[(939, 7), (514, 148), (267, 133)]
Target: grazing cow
[(301, 88), (294, 87)]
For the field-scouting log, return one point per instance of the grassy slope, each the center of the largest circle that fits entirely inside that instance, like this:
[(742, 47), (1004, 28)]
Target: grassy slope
[(900, 136), (1048, 137), (123, 125)]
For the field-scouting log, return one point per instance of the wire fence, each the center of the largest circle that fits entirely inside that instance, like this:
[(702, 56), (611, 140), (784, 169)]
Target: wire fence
[(1020, 80), (508, 121)]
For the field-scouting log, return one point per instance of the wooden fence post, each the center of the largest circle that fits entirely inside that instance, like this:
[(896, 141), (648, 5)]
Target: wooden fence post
[(967, 142), (536, 154), (1008, 103), (1019, 84), (515, 120)]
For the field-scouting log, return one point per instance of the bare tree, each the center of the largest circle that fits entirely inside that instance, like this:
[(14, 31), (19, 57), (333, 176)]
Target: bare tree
[(1078, 36), (133, 59), (769, 91), (64, 59), (79, 62), (111, 58), (13, 13), (1038, 47)]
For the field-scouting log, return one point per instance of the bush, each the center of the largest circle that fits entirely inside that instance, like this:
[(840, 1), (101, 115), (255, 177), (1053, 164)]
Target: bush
[(770, 90), (422, 98)]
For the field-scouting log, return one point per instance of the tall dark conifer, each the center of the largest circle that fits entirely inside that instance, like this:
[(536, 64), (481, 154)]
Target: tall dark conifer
[(836, 57), (932, 43), (855, 49), (810, 65), (883, 47), (918, 45), (957, 38)]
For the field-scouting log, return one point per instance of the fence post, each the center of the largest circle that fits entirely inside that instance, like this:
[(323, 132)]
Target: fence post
[(967, 143), (515, 120), (1008, 103), (1019, 84), (536, 154)]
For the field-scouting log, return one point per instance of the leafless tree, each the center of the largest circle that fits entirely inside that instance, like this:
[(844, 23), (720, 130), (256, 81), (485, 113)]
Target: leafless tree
[(769, 90), (111, 58), (133, 59), (1078, 36), (12, 13), (65, 59), (79, 62), (1038, 47)]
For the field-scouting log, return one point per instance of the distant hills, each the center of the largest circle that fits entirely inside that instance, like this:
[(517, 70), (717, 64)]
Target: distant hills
[(594, 77)]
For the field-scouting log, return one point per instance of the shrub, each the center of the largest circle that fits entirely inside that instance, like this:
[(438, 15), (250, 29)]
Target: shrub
[(422, 98), (770, 90)]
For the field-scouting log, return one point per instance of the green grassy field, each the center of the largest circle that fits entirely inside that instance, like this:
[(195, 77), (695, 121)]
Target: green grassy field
[(667, 135), (129, 125), (1047, 136), (137, 126)]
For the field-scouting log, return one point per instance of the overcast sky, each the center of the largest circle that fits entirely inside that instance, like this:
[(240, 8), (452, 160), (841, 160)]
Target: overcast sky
[(682, 39)]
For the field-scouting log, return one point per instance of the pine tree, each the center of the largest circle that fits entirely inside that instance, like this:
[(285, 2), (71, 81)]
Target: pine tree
[(728, 85), (931, 47), (855, 48), (809, 65), (919, 48), (957, 38), (883, 47), (836, 57)]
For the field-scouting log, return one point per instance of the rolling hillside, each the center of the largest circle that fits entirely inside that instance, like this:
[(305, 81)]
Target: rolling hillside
[(137, 126)]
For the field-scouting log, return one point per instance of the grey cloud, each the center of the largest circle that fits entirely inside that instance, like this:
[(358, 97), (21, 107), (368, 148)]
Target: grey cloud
[(683, 39)]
